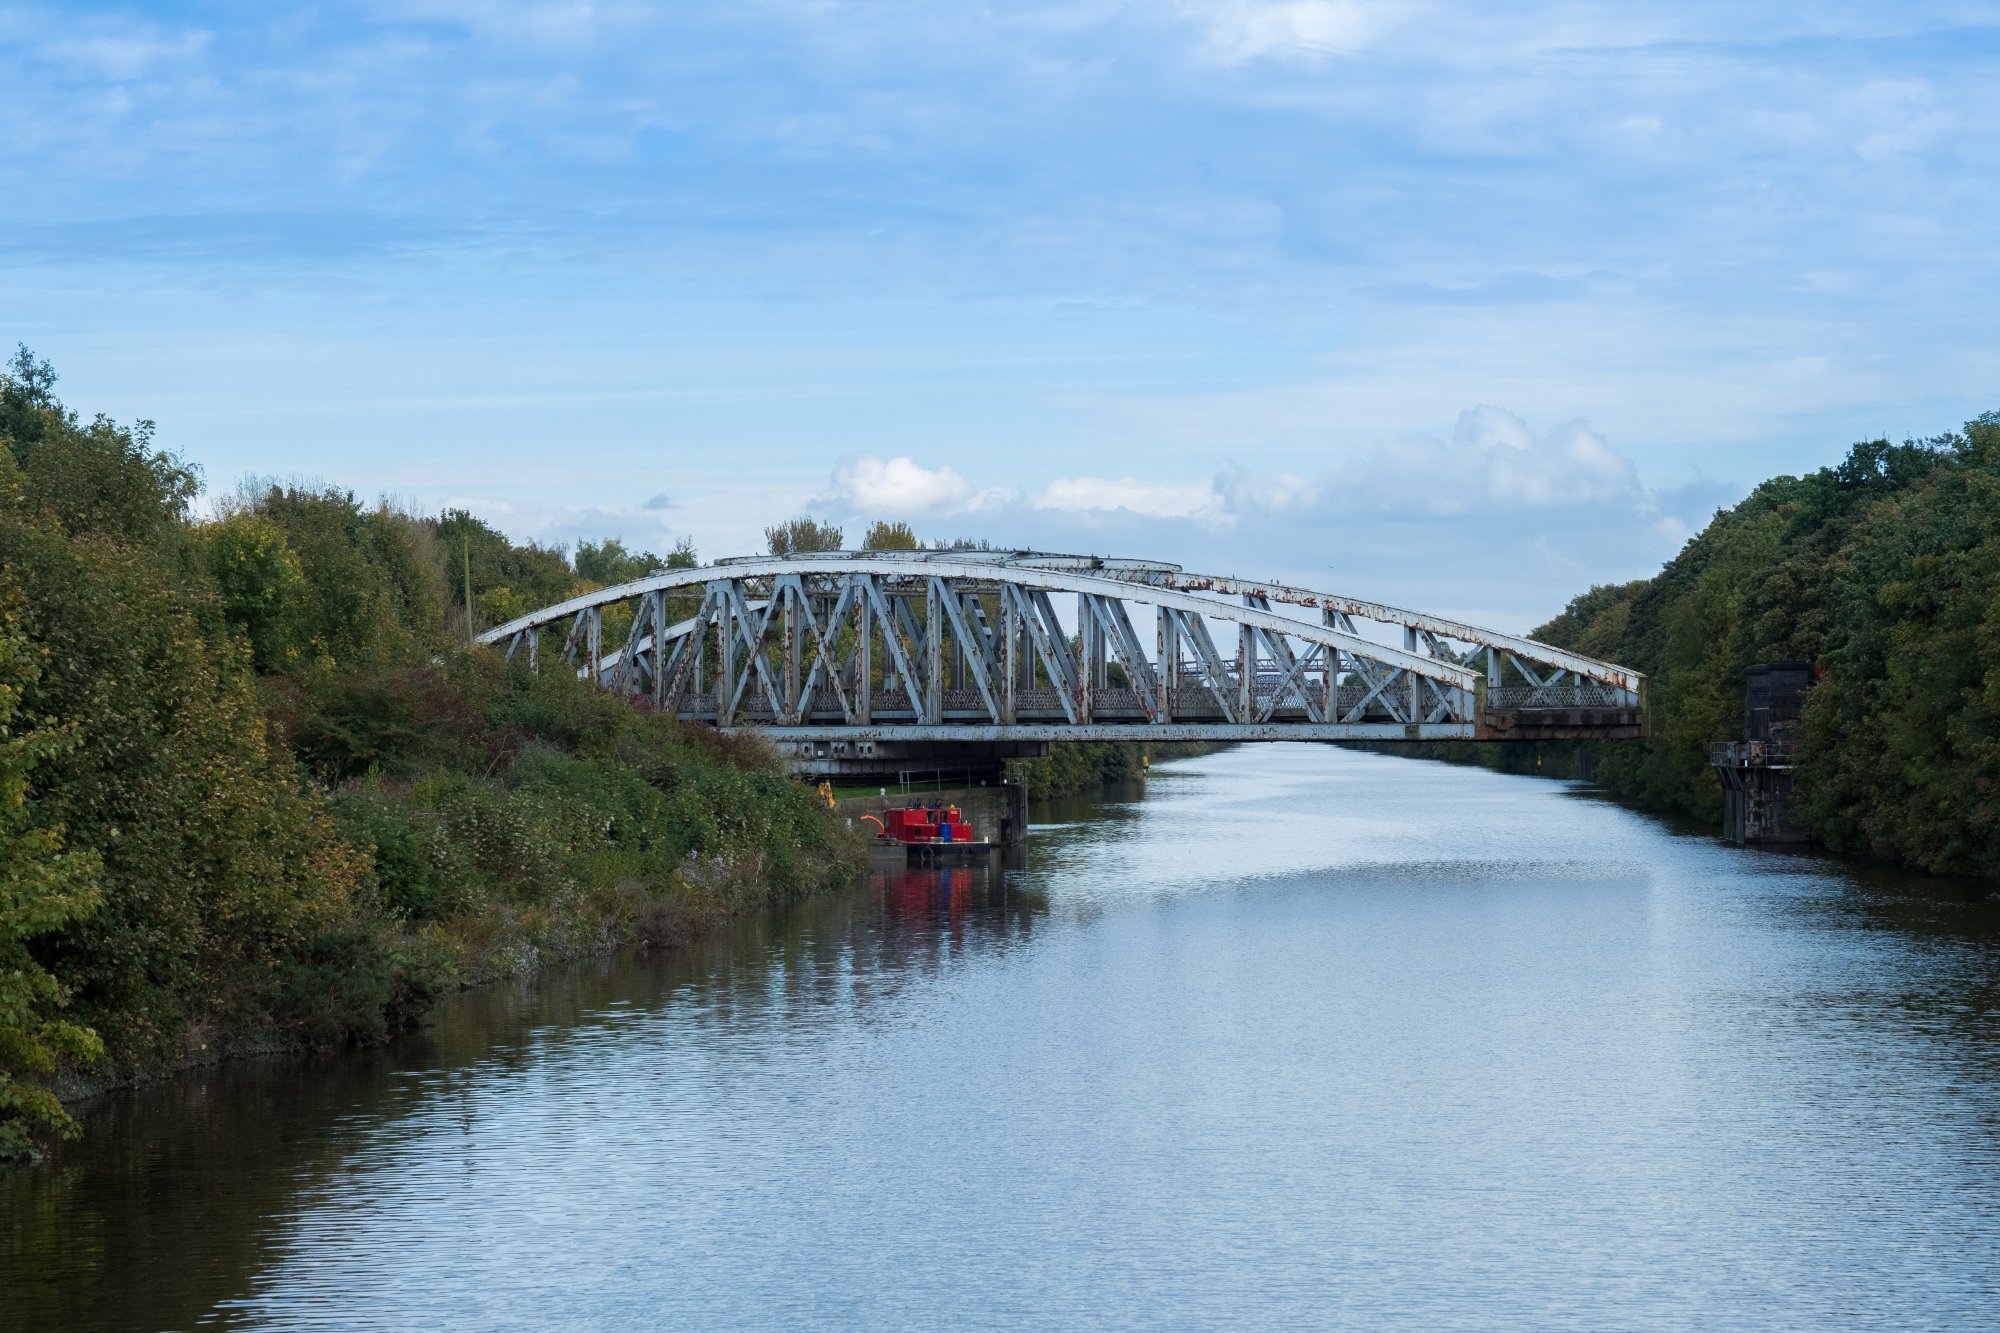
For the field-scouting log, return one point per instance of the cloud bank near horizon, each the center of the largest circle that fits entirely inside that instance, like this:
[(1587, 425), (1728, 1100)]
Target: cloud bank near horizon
[(1498, 522), (1493, 463)]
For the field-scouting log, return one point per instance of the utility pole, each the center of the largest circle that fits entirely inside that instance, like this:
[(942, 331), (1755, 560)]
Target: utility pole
[(469, 627)]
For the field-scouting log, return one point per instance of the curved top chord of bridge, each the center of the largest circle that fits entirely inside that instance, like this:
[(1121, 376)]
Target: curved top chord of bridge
[(848, 650)]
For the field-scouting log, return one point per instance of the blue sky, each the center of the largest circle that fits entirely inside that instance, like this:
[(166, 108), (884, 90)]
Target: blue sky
[(1463, 306)]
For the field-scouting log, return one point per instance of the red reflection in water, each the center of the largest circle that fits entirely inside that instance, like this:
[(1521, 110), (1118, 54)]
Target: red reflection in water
[(931, 891)]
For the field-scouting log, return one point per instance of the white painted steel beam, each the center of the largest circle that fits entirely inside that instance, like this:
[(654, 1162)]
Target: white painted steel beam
[(792, 641)]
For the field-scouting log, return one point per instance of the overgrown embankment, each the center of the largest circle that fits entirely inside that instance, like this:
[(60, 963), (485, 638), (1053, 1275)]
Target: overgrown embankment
[(1071, 767), (252, 794), (1884, 572)]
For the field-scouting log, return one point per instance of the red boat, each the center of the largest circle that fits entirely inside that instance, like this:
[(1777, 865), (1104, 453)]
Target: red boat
[(936, 827)]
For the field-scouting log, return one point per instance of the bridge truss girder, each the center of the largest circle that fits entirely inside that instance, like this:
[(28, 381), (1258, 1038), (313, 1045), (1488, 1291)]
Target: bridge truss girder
[(931, 646)]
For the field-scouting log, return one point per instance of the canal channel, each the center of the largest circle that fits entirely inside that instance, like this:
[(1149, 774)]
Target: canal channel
[(1292, 1035)]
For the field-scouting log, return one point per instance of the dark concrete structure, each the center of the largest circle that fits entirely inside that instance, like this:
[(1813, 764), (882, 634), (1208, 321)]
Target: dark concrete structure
[(1756, 772)]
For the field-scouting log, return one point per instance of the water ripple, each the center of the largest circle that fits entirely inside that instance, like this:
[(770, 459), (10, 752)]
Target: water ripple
[(1305, 1036)]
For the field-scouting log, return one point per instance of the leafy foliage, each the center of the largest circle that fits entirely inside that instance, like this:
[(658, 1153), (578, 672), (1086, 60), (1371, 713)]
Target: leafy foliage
[(373, 580), (262, 586), (508, 580), (215, 864), (1903, 734), (1071, 767), (883, 535), (250, 790), (605, 563), (96, 478), (43, 887), (798, 536)]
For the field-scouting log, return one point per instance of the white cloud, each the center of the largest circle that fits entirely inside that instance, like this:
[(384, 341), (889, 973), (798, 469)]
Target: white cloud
[(1897, 118), (869, 486), (1154, 499), (901, 487), (1497, 515), (1269, 491), (565, 23), (1253, 29), (1493, 464), (129, 55)]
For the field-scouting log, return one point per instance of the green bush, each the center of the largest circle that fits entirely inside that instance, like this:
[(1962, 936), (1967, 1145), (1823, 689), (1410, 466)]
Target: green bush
[(416, 873), (349, 985)]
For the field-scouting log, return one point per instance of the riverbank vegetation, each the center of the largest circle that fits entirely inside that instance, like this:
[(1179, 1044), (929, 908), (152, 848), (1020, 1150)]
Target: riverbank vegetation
[(1074, 767), (254, 793), (1071, 767), (1884, 573)]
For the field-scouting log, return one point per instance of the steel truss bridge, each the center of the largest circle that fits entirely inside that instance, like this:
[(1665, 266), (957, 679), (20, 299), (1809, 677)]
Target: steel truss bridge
[(840, 652)]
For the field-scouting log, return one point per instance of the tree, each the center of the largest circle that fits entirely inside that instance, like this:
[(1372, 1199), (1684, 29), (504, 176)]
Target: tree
[(91, 478), (376, 581), (42, 888), (886, 536), (167, 873), (1884, 572), (218, 870), (262, 586), (798, 536), (1902, 754), (34, 380), (608, 562)]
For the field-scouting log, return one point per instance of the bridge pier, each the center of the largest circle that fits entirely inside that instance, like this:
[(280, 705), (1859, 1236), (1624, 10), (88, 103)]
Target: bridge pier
[(1756, 772)]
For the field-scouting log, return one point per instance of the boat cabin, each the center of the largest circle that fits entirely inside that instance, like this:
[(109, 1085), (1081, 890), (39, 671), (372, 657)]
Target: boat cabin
[(935, 822)]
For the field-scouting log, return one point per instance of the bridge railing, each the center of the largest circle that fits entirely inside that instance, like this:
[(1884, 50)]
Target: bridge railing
[(1572, 694)]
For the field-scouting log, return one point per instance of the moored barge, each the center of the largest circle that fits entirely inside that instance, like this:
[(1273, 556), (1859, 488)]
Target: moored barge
[(928, 833)]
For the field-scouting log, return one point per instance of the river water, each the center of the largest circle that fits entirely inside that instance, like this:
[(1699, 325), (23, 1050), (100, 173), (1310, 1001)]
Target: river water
[(1296, 1036)]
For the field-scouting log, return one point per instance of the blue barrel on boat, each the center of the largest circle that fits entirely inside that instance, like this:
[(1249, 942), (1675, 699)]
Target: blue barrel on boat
[(944, 832)]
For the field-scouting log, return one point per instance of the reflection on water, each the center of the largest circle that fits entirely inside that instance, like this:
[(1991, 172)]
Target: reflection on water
[(953, 895), (1295, 1034)]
